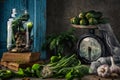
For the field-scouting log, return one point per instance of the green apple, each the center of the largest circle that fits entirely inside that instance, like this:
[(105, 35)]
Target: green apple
[(29, 25), (8, 72)]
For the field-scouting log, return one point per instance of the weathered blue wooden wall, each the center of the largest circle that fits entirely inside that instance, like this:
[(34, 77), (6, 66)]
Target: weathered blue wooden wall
[(40, 22), (37, 11), (2, 30)]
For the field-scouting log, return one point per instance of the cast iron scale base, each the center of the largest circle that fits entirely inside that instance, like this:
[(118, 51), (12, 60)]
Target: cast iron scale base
[(90, 46)]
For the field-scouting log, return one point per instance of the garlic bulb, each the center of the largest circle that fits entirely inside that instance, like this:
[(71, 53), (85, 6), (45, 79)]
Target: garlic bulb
[(102, 60), (114, 68), (103, 70), (93, 67)]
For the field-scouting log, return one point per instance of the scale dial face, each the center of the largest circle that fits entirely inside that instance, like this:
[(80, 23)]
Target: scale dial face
[(90, 49)]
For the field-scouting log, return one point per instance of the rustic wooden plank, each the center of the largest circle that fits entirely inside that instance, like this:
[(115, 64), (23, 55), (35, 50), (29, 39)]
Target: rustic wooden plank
[(95, 77), (36, 79), (5, 64), (64, 79), (15, 66), (20, 57), (87, 77)]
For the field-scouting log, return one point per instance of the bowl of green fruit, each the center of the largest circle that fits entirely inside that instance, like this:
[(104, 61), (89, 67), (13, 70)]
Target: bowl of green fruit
[(89, 19)]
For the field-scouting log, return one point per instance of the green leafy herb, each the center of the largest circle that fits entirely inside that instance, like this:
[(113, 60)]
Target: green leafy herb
[(62, 42)]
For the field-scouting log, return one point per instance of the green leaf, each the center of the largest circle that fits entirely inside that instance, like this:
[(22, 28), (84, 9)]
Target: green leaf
[(38, 73), (53, 44), (20, 72), (82, 70), (36, 66), (28, 72), (69, 75), (28, 69), (58, 41)]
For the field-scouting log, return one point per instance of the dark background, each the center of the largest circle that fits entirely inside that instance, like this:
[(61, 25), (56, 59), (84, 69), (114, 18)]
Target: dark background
[(59, 13)]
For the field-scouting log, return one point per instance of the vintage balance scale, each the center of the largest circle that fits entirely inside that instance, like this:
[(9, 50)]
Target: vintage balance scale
[(90, 46)]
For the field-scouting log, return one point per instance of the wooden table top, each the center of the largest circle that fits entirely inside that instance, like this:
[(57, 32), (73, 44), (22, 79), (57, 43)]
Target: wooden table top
[(88, 77)]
